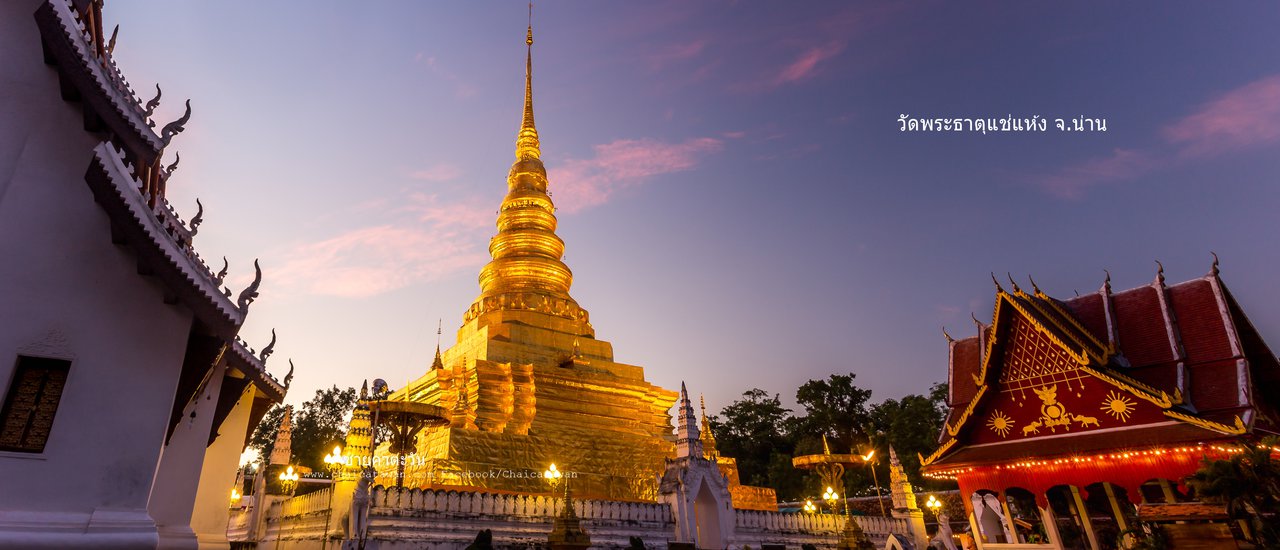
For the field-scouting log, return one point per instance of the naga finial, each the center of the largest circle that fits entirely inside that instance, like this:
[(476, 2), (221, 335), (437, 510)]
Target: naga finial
[(1034, 286), (976, 321), (217, 279), (250, 293), (151, 105), (997, 282), (111, 44), (1214, 270), (269, 348), (288, 377), (1013, 282), (174, 128), (176, 159), (1159, 272), (1106, 283), (947, 336), (197, 219)]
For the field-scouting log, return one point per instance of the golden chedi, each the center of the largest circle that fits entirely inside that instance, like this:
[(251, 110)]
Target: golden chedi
[(527, 382)]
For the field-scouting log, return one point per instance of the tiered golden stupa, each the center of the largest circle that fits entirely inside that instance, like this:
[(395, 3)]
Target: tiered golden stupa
[(527, 382)]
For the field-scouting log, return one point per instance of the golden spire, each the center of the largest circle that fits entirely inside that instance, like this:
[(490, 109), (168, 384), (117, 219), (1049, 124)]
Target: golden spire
[(526, 272), (527, 140)]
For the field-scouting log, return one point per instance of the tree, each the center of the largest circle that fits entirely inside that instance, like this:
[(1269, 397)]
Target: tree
[(318, 425), (835, 407), (911, 426), (751, 431), (1249, 482)]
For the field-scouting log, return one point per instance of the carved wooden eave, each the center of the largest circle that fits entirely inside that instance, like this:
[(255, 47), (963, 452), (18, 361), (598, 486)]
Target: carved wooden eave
[(133, 222), (98, 83), (246, 363)]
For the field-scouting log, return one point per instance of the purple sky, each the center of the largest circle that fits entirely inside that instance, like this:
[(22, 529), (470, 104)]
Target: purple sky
[(739, 206)]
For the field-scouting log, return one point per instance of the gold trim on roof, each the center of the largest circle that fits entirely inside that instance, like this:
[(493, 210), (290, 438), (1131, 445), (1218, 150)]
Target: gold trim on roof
[(1238, 429)]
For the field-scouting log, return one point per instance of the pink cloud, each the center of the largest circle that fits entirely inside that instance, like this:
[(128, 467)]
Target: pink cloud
[(583, 183), (806, 65), (1242, 118), (1122, 164), (675, 53), (428, 239), (439, 172)]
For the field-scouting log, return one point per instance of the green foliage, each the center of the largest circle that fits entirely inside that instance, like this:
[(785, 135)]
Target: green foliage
[(835, 407), (763, 435), (1146, 536), (1249, 483), (318, 425), (751, 432)]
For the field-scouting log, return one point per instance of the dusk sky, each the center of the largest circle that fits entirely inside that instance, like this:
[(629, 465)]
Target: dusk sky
[(739, 205)]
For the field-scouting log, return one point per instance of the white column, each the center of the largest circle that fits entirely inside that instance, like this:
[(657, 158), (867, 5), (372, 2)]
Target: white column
[(173, 494), (221, 460)]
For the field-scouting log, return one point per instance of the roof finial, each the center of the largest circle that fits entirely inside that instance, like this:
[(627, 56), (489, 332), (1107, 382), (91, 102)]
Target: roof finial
[(947, 336), (437, 363), (1012, 282), (217, 279), (1214, 270), (1034, 287), (267, 351), (288, 376), (250, 293), (151, 105), (174, 128), (997, 282), (1159, 272), (111, 45), (976, 321), (527, 140), (197, 219)]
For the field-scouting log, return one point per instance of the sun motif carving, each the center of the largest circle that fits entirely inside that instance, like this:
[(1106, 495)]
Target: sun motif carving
[(1118, 405), (1000, 423)]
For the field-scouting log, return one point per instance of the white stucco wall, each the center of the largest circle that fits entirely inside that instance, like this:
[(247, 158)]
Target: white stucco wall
[(67, 292)]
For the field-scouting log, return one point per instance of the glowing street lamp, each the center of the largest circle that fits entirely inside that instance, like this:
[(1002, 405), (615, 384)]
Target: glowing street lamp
[(289, 480), (831, 496), (933, 504), (809, 507), (868, 459), (553, 476), (333, 462)]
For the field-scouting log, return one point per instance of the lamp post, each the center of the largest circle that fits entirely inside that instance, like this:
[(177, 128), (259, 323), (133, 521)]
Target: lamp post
[(553, 476), (933, 504), (868, 459), (809, 507), (288, 483), (831, 496), (333, 462)]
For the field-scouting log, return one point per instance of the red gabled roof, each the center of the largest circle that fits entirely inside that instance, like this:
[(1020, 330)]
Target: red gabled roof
[(1187, 349)]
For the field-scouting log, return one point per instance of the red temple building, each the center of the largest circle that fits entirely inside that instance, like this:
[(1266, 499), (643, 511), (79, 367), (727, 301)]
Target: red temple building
[(1065, 415)]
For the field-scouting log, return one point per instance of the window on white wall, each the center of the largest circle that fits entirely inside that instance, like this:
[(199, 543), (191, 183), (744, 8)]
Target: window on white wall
[(31, 402)]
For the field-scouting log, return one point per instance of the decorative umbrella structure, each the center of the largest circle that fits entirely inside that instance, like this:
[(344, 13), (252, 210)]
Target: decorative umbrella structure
[(830, 468), (404, 420)]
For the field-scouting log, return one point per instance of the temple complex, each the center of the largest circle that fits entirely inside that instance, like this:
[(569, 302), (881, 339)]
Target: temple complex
[(527, 382), (128, 395), (1070, 417)]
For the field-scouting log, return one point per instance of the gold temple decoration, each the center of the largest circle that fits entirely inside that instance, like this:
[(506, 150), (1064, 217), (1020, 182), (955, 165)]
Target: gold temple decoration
[(1118, 405), (1000, 423), (1054, 415), (527, 383)]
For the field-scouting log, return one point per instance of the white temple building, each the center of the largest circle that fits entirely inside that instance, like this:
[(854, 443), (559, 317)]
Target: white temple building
[(125, 394)]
